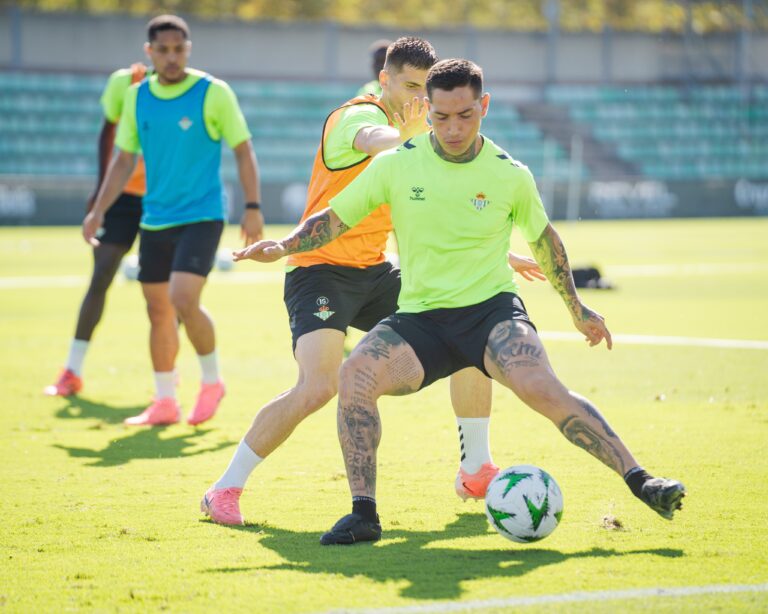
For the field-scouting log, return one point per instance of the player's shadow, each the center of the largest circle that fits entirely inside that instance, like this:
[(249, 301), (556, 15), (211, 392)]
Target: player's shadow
[(78, 408), (415, 558), (145, 443)]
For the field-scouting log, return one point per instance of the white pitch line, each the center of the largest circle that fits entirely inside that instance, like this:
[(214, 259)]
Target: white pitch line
[(731, 344), (580, 597), (663, 270), (75, 281)]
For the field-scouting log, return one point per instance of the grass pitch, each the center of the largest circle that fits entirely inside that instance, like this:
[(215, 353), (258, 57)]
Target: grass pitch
[(100, 517)]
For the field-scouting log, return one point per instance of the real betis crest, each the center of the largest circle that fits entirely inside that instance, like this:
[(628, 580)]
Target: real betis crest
[(323, 310), (479, 201)]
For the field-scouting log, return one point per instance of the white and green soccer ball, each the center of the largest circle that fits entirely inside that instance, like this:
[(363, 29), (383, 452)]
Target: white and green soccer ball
[(224, 260), (130, 267), (524, 503)]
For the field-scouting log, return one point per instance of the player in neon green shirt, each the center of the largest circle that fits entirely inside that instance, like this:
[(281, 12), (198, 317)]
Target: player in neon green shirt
[(454, 197)]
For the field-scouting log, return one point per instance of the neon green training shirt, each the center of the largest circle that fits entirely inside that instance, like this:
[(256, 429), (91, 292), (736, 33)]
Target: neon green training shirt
[(114, 93), (339, 147), (452, 221), (222, 114)]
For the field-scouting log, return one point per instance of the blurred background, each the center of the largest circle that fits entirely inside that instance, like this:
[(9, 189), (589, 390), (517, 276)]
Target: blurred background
[(621, 108)]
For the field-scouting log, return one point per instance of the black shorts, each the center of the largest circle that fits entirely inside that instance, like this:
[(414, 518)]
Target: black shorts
[(331, 296), (190, 248), (448, 340), (121, 222)]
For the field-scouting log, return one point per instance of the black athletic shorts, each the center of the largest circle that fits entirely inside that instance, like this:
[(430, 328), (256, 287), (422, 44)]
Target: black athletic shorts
[(447, 340), (331, 296), (190, 248), (121, 222)]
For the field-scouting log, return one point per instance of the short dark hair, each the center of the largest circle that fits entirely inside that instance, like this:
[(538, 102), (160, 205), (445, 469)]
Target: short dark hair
[(162, 23), (449, 74), (378, 51), (411, 51)]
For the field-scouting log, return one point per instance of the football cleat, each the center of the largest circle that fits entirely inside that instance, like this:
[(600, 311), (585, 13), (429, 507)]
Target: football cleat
[(66, 385), (222, 505), (162, 411), (474, 485), (207, 402), (351, 529), (663, 496)]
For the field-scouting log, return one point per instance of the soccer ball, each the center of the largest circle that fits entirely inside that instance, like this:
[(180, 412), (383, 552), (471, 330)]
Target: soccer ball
[(224, 260), (523, 503), (130, 266)]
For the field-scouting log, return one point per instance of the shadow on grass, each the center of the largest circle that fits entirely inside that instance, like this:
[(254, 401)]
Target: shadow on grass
[(416, 558), (78, 408), (145, 443)]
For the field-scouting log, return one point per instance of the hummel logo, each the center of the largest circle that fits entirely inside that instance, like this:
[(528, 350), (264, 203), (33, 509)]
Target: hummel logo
[(417, 193), (185, 123)]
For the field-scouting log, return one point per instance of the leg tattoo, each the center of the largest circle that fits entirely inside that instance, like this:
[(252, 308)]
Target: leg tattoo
[(590, 431)]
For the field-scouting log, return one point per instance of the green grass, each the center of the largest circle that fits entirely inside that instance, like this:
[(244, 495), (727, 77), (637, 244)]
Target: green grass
[(102, 517)]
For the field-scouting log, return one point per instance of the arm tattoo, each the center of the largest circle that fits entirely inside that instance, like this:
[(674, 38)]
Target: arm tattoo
[(549, 252), (316, 231), (600, 441)]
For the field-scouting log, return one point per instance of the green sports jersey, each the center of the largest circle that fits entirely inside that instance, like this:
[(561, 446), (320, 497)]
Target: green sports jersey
[(222, 114), (372, 87), (339, 149), (452, 221), (114, 92)]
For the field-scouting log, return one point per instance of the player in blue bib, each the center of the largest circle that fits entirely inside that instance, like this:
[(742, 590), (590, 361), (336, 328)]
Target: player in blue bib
[(177, 119)]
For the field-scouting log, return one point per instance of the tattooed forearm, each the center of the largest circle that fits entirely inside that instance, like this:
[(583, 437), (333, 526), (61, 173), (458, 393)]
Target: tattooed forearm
[(316, 231), (549, 252), (359, 435), (592, 433)]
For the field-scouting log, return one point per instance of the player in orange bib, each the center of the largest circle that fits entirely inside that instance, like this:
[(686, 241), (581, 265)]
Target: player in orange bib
[(121, 225), (349, 282)]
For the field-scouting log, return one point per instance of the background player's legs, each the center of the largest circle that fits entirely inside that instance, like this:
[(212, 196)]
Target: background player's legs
[(163, 333), (515, 356), (471, 400), (318, 354), (106, 261), (184, 291)]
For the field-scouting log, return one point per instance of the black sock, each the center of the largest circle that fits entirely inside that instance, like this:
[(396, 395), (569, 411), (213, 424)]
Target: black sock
[(635, 478), (365, 507)]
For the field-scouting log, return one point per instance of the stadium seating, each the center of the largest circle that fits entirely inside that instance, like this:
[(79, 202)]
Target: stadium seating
[(49, 125), (685, 133)]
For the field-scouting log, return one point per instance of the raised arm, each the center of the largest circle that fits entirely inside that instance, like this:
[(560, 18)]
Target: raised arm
[(549, 252), (375, 139), (316, 231)]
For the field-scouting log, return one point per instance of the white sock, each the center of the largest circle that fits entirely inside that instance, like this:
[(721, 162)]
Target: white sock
[(473, 438), (209, 363), (77, 350), (240, 467), (165, 384)]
